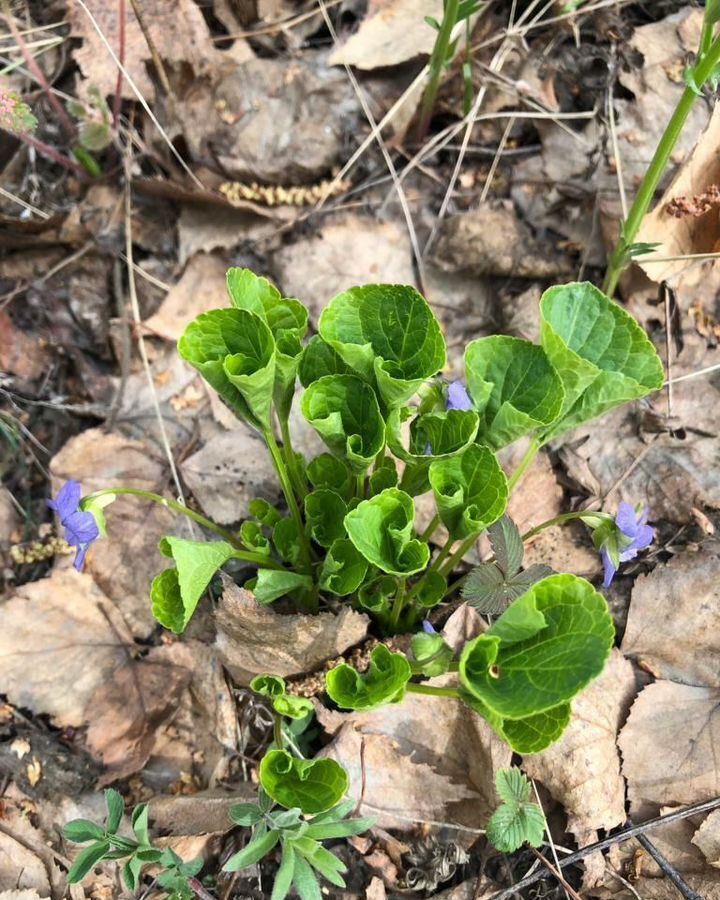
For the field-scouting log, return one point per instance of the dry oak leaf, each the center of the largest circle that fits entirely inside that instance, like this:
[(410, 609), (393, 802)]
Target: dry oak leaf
[(392, 786), (124, 563), (669, 746), (392, 32), (673, 626), (254, 639), (582, 770), (61, 640)]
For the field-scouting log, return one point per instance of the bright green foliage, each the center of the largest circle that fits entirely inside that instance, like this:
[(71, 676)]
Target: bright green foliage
[(384, 682), (313, 785), (271, 584), (388, 334), (320, 359), (344, 411), (601, 354), (470, 491), (382, 530), (514, 387), (517, 820), (138, 851), (324, 513), (273, 687), (344, 568), (431, 655)]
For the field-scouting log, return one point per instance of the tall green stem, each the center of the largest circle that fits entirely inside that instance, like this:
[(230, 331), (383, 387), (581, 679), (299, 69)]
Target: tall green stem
[(289, 493), (296, 475), (430, 530), (707, 62), (438, 61), (525, 464), (398, 604), (560, 520), (433, 691)]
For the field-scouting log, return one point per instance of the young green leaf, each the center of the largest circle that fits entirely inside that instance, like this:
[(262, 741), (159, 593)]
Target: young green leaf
[(286, 538), (305, 880), (470, 490), (384, 682), (324, 513), (388, 334), (432, 589), (507, 544), (253, 852), (382, 530), (131, 873), (115, 810), (343, 569), (264, 512), (320, 359), (532, 734), (87, 860), (175, 598), (285, 872), (328, 472), (517, 821), (431, 654), (80, 831), (602, 355), (345, 413), (245, 814), (271, 686), (274, 583), (140, 823), (490, 592), (293, 707), (327, 864), (313, 785), (432, 434), (251, 534), (546, 648), (384, 477), (514, 387)]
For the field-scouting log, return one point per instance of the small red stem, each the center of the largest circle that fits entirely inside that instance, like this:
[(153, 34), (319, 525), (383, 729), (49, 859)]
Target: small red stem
[(51, 153)]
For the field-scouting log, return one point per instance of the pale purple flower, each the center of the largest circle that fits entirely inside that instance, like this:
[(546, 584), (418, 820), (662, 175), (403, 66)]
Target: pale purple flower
[(428, 627), (80, 527), (633, 526), (458, 397)]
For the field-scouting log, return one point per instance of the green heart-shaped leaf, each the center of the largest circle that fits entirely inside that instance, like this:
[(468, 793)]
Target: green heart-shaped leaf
[(320, 359), (344, 569), (382, 530), (530, 735), (327, 471), (292, 707), (542, 651), (513, 386), (388, 334), (344, 411), (312, 785), (471, 490), (274, 583), (175, 593), (234, 351), (384, 682), (602, 355), (324, 512)]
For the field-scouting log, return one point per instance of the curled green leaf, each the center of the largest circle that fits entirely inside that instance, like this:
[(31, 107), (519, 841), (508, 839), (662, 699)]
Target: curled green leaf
[(343, 569), (313, 785), (384, 682)]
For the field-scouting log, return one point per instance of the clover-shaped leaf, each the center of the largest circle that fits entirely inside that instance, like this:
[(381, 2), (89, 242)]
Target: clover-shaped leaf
[(234, 351), (542, 651), (602, 355), (313, 785), (343, 569), (175, 593), (384, 682), (388, 334), (470, 490), (344, 411), (382, 530), (513, 386)]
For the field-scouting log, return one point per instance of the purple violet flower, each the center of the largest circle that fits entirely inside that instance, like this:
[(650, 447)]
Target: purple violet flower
[(428, 627), (638, 535), (81, 529), (458, 397)]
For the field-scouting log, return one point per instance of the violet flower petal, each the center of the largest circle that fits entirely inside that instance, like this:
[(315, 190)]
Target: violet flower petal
[(458, 397)]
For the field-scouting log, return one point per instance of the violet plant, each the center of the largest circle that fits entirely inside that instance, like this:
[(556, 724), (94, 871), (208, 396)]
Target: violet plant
[(346, 533)]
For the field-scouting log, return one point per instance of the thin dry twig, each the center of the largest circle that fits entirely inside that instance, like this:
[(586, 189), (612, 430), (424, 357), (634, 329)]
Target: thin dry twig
[(667, 867), (569, 890)]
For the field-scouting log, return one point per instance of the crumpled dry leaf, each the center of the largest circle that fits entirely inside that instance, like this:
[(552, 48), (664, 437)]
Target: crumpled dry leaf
[(707, 838), (582, 770), (392, 32), (123, 564), (392, 786), (319, 267), (669, 747), (178, 31), (204, 812), (707, 887), (27, 863), (201, 287), (127, 710), (457, 745), (227, 473), (51, 628), (25, 894), (254, 639), (22, 353), (205, 227), (673, 627)]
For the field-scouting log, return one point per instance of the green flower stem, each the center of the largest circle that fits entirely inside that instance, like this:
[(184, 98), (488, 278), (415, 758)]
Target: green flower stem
[(246, 556), (525, 464), (431, 529), (459, 554), (360, 486), (287, 488), (560, 520), (296, 475), (433, 691), (438, 61), (398, 604), (434, 566), (707, 62), (278, 732)]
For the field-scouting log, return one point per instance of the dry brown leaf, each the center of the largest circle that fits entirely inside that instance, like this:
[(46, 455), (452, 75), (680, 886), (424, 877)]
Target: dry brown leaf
[(201, 288), (9, 519), (206, 227), (391, 785), (462, 626), (51, 629), (177, 29), (254, 639), (660, 889), (673, 627), (127, 710), (669, 747), (456, 743), (319, 267), (392, 32), (204, 812), (582, 770), (231, 469), (707, 838), (21, 353), (124, 563), (375, 890), (27, 863)]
